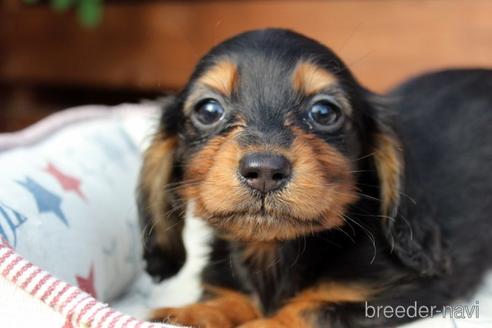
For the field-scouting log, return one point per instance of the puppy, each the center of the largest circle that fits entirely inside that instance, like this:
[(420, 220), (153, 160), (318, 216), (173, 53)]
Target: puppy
[(324, 198)]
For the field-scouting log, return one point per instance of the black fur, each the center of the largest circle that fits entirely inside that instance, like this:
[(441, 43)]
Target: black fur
[(434, 246)]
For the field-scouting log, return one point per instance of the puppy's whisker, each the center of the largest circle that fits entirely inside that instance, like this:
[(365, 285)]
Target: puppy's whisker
[(357, 61), (186, 184), (172, 226), (148, 229), (299, 252), (398, 191), (369, 235), (171, 185), (345, 232), (385, 217), (349, 37), (363, 157), (183, 186), (362, 195)]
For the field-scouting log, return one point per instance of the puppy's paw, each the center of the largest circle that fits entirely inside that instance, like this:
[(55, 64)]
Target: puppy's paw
[(195, 315)]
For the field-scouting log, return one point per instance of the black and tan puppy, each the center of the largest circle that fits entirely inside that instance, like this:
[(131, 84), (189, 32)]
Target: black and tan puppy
[(324, 197)]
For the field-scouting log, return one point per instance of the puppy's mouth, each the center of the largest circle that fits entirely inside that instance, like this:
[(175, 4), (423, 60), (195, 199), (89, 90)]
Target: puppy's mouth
[(308, 196), (264, 210), (268, 217), (260, 225)]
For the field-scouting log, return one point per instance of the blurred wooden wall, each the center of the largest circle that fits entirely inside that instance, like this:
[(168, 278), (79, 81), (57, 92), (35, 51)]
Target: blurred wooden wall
[(152, 46)]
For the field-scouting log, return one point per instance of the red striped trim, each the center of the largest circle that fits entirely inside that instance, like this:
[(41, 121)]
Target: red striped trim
[(127, 322), (93, 316), (6, 255), (19, 273), (85, 309), (77, 298), (55, 300), (105, 317), (9, 267), (70, 298), (115, 320), (68, 321), (75, 307), (50, 290), (31, 277), (40, 284)]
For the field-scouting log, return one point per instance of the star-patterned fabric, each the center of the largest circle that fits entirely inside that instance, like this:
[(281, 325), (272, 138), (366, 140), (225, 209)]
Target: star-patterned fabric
[(46, 201), (67, 196), (67, 182), (87, 283)]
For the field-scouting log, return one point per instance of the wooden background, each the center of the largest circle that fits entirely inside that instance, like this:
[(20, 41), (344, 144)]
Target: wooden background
[(144, 48)]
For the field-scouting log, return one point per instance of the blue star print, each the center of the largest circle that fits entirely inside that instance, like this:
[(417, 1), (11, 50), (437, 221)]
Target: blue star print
[(10, 222), (46, 201)]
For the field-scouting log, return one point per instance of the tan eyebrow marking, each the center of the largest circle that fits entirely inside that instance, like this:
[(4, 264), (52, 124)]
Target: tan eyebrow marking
[(222, 77), (310, 78)]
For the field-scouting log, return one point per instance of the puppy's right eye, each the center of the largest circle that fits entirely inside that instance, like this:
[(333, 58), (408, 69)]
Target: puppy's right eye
[(326, 116), (207, 112)]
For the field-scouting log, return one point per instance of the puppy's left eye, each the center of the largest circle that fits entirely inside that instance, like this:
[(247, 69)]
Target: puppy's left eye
[(326, 116), (208, 112)]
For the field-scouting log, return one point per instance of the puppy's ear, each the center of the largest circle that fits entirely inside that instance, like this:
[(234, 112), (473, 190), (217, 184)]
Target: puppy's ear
[(410, 229), (160, 209), (388, 160)]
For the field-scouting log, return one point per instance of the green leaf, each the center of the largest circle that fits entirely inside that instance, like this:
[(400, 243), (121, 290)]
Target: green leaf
[(90, 12), (62, 5), (30, 2)]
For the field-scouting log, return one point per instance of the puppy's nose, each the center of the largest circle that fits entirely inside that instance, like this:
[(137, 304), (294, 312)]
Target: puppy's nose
[(265, 172)]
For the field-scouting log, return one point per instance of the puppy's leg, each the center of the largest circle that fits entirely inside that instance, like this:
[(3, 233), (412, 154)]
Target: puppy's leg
[(328, 306), (225, 308)]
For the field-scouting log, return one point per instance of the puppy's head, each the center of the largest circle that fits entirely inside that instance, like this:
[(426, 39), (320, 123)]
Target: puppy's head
[(263, 143), (266, 137)]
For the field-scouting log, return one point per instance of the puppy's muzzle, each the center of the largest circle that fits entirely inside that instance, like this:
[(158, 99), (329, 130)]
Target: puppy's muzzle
[(265, 172)]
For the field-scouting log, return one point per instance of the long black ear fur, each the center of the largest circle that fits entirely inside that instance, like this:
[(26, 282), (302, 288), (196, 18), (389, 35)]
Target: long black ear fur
[(161, 210), (410, 228)]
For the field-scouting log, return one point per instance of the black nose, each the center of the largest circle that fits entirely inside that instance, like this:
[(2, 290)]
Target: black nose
[(265, 172)]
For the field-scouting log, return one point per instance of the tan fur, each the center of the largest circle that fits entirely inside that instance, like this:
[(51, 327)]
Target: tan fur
[(195, 315), (334, 292), (227, 308), (298, 312), (322, 178), (309, 78), (389, 164), (156, 172), (222, 77), (214, 168), (315, 198)]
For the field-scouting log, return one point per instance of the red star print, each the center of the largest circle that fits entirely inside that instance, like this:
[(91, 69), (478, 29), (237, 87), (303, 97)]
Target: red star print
[(68, 183), (87, 284)]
